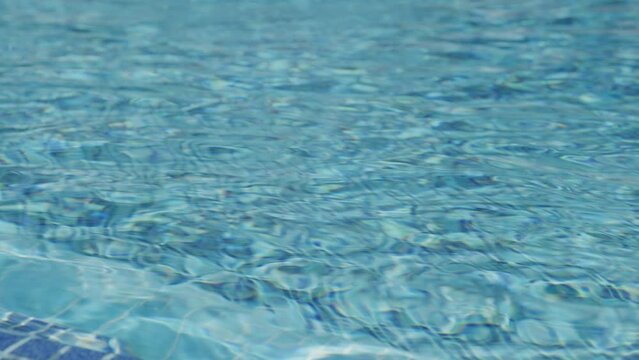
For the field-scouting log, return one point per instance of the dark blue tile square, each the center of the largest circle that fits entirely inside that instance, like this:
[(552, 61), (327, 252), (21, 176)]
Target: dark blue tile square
[(39, 323), (82, 354), (15, 319), (38, 349), (31, 326), (102, 338), (7, 340), (22, 329)]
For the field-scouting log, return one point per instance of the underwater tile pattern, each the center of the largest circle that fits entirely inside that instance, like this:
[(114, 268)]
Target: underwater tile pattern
[(323, 179), (25, 338)]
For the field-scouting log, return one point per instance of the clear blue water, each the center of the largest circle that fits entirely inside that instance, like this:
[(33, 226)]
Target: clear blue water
[(312, 179)]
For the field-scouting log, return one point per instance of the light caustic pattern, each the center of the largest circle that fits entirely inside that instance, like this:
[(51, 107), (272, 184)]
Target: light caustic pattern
[(324, 179)]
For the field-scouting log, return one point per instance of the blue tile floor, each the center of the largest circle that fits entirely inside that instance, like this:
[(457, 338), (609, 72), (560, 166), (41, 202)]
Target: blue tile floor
[(25, 338)]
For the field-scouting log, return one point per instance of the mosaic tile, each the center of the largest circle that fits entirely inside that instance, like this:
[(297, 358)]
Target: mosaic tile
[(38, 349), (31, 326), (24, 338), (7, 340)]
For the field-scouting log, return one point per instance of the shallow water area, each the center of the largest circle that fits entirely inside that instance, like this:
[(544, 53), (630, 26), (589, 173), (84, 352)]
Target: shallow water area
[(304, 179)]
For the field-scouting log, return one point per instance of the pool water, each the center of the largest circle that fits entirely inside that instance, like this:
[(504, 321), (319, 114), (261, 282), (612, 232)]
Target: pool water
[(308, 179)]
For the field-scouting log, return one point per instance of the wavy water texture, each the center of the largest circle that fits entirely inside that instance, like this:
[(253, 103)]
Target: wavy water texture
[(309, 179)]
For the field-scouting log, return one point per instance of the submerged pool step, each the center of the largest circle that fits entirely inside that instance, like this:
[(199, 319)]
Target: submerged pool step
[(26, 338)]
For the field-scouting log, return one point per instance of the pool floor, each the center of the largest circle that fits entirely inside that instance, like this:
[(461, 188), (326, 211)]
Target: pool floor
[(305, 179)]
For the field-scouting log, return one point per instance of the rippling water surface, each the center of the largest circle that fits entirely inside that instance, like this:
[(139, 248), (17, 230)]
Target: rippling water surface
[(324, 179)]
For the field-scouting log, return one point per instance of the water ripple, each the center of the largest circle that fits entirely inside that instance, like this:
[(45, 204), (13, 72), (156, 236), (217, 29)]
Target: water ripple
[(324, 180)]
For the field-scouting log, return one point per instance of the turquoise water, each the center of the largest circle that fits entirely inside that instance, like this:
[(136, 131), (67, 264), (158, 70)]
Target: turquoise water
[(312, 179)]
